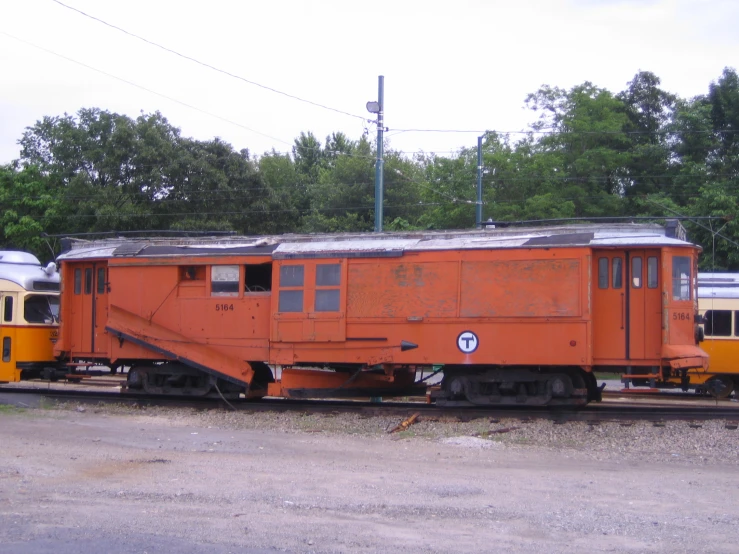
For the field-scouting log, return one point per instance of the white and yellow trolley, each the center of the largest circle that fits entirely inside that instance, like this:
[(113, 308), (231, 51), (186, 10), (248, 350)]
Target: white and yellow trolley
[(29, 317), (718, 304)]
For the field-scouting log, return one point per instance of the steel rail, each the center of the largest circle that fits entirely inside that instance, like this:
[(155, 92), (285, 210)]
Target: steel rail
[(592, 414)]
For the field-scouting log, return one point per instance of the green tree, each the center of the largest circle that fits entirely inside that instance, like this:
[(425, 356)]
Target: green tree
[(31, 207)]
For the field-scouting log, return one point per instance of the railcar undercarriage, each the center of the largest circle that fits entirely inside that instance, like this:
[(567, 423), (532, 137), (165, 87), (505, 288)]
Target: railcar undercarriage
[(524, 386)]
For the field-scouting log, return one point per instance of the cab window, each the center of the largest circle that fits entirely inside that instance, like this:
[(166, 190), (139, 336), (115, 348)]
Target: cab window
[(37, 308), (681, 278)]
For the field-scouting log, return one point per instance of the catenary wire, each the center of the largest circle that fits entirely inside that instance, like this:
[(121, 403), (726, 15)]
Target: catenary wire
[(142, 87), (209, 66)]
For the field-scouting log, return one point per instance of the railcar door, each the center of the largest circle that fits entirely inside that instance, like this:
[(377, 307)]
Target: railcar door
[(89, 307), (100, 306), (644, 304), (609, 306), (626, 305)]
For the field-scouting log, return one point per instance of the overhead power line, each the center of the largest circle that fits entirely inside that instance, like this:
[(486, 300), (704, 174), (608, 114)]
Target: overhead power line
[(209, 66), (170, 98)]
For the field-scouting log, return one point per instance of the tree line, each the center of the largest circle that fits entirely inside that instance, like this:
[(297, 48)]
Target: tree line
[(589, 153)]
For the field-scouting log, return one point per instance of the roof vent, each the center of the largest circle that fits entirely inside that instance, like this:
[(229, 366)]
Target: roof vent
[(675, 230)]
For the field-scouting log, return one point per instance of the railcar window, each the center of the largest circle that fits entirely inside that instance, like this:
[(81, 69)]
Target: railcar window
[(8, 309), (328, 299), (636, 272), (101, 280), (736, 328), (680, 278), (602, 273), (224, 280), (192, 273), (78, 281), (717, 323), (54, 305), (37, 309), (652, 272), (6, 349), (617, 273), (258, 278), (291, 299), (291, 276), (328, 274), (88, 280)]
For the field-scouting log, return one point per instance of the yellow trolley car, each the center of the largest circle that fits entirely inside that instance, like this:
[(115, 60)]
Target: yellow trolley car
[(29, 317), (718, 304)]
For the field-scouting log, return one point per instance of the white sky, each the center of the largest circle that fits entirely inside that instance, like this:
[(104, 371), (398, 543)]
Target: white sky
[(447, 65)]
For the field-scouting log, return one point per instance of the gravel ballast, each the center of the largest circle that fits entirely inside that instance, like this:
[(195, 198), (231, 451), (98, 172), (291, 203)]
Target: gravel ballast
[(120, 479)]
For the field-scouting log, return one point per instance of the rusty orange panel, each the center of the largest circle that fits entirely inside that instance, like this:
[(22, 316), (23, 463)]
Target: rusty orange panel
[(521, 288), (407, 289)]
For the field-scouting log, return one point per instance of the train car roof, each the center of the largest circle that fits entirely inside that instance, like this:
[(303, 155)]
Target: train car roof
[(25, 270), (718, 285), (377, 245)]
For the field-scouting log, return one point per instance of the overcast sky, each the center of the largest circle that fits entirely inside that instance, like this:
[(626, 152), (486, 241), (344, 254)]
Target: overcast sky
[(464, 65)]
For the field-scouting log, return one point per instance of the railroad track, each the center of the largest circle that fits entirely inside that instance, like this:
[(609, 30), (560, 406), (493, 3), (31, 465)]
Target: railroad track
[(652, 409)]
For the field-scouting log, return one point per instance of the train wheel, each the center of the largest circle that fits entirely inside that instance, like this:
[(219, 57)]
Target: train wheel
[(719, 386)]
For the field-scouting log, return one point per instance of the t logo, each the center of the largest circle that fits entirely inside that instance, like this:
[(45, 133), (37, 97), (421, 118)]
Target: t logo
[(467, 342)]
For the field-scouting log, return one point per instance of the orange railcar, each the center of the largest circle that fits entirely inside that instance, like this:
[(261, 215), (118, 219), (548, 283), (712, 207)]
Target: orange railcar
[(512, 316)]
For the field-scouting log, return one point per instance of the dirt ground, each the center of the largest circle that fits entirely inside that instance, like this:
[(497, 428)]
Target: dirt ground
[(123, 481)]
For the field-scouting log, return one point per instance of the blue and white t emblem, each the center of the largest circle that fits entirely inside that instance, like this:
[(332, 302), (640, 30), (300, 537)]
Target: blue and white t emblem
[(467, 342)]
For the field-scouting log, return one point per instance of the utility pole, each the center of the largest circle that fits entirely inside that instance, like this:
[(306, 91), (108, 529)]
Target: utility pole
[(378, 108), (478, 206)]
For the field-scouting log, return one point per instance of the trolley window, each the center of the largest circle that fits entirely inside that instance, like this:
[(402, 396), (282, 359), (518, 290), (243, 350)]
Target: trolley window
[(224, 280), (617, 273), (736, 327), (37, 309), (8, 309), (652, 279), (680, 278), (78, 281), (717, 323), (602, 273), (291, 291), (636, 281), (88, 280), (101, 280)]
